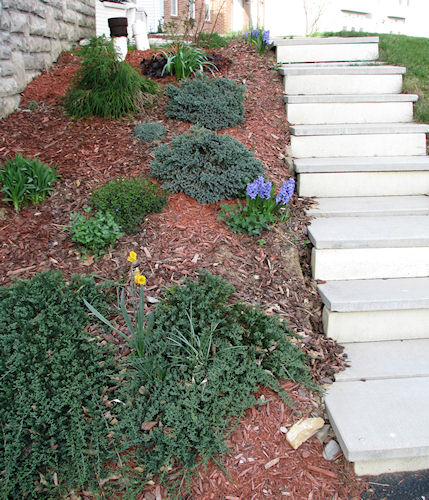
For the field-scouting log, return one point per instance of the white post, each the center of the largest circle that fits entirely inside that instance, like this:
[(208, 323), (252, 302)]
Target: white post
[(140, 31)]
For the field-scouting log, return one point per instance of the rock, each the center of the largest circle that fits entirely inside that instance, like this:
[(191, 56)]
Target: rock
[(323, 434), (303, 430), (331, 451)]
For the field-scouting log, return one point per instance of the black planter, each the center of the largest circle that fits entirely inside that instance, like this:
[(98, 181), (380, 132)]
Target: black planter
[(118, 26)]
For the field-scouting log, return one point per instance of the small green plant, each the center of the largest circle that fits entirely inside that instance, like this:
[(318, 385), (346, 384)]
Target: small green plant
[(186, 60), (260, 38), (129, 201), (205, 166), (211, 103), (149, 131), (105, 86), (54, 378), (212, 40), (26, 180), (94, 233), (261, 209), (32, 105)]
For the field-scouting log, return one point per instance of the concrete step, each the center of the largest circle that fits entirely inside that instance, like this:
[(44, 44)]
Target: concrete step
[(371, 139), (350, 248), (339, 108), (302, 50), (382, 360), (370, 206), (361, 164), (341, 68), (382, 425)]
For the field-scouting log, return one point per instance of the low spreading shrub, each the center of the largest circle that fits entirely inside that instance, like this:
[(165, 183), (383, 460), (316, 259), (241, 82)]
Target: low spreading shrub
[(211, 103), (94, 233), (129, 201), (149, 131), (26, 180), (211, 356), (205, 166), (53, 430), (105, 86)]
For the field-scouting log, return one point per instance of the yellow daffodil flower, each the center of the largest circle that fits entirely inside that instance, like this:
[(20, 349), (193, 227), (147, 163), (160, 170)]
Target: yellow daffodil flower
[(132, 257), (140, 279)]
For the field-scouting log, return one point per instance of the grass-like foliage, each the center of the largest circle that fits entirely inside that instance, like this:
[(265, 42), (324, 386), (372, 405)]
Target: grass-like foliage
[(129, 201), (26, 180), (53, 431), (214, 103), (212, 40), (210, 357), (186, 60), (94, 233), (205, 166), (105, 86), (149, 131)]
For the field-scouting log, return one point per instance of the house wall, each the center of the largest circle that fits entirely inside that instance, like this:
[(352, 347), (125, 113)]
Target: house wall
[(32, 35)]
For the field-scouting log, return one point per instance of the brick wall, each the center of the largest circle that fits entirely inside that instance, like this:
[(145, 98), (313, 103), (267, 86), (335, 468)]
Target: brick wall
[(32, 35)]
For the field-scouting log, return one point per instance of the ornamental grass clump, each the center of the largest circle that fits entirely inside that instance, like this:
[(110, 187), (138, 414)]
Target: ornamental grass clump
[(149, 131), (186, 60), (214, 103), (205, 166), (129, 201), (54, 378), (104, 86), (262, 208)]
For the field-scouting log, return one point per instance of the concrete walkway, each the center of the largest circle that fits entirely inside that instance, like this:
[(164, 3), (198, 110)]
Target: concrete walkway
[(356, 150)]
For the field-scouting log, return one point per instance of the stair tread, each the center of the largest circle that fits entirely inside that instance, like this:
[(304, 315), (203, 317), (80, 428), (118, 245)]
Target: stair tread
[(359, 129), (295, 69), (360, 206), (380, 418), (370, 232), (387, 359), (349, 98), (375, 295), (361, 164), (333, 40)]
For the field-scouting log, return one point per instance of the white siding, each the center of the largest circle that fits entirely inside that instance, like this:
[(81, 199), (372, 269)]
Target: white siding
[(155, 13)]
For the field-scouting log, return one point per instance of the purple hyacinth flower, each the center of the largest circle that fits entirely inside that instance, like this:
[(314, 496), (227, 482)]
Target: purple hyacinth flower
[(286, 192), (254, 33), (266, 37), (246, 35), (265, 190), (252, 189)]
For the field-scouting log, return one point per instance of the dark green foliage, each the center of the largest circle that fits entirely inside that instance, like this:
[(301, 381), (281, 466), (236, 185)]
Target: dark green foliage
[(149, 131), (204, 165), (26, 180), (94, 233), (214, 103), (129, 201), (212, 40), (210, 356), (105, 86), (52, 381)]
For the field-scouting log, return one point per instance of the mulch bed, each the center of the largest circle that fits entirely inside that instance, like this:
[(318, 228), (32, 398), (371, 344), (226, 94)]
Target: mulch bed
[(178, 242)]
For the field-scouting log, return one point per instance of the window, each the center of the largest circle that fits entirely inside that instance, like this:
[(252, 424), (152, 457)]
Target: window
[(207, 8), (173, 7)]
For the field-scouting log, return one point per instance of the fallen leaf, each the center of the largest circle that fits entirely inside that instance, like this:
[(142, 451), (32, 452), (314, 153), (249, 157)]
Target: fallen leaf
[(147, 426), (271, 463)]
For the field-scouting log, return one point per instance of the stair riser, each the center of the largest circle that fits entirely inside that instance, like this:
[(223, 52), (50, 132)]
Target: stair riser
[(327, 53), (337, 184), (334, 113), (370, 263), (335, 146), (375, 326), (376, 467), (343, 84)]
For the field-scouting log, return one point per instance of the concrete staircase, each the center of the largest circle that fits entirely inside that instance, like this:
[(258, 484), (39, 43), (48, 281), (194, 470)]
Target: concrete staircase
[(355, 149)]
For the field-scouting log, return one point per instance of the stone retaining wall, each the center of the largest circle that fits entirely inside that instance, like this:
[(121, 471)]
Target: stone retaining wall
[(32, 35)]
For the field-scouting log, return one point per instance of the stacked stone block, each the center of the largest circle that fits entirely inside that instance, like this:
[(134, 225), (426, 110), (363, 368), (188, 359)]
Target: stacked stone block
[(32, 35)]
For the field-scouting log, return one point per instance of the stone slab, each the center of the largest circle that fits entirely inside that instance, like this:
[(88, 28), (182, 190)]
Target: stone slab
[(361, 164), (337, 69), (349, 98), (304, 53), (380, 419), (369, 206), (389, 359), (332, 40), (359, 129), (370, 232), (376, 295), (369, 263)]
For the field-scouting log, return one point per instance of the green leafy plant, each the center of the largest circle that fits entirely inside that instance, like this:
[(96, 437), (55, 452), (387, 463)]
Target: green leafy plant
[(211, 103), (104, 86), (205, 166), (54, 377), (149, 131), (26, 180), (94, 233), (129, 201), (186, 60), (261, 209), (212, 40), (214, 354)]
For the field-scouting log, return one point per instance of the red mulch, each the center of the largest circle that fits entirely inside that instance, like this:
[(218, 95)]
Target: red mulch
[(185, 237)]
